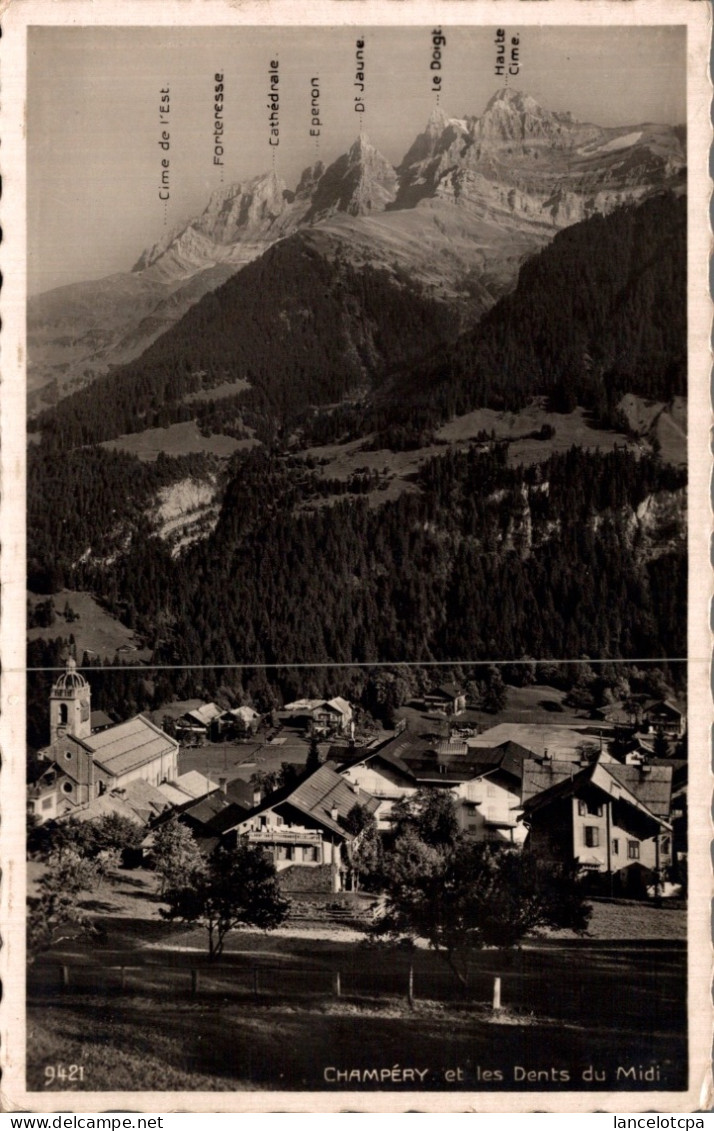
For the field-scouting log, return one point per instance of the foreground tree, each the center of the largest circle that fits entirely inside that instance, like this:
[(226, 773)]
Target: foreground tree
[(365, 851), (236, 887), (57, 909), (462, 895), (177, 857)]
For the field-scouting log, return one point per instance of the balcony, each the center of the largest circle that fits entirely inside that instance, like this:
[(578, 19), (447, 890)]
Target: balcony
[(278, 834)]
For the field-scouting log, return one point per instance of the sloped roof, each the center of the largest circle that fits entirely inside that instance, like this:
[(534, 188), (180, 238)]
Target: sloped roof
[(451, 748), (649, 792), (447, 690), (224, 819), (316, 796), (241, 791), (341, 704), (304, 704), (666, 706), (139, 801), (247, 714), (100, 719), (195, 784), (145, 799), (324, 791), (653, 787), (206, 714), (204, 809), (173, 794), (128, 745), (513, 757), (539, 776)]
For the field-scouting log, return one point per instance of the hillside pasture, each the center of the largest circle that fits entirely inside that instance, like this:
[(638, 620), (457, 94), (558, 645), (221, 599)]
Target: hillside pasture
[(343, 460), (95, 630), (176, 440)]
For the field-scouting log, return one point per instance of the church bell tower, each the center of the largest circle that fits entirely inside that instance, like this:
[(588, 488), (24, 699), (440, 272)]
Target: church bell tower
[(70, 705)]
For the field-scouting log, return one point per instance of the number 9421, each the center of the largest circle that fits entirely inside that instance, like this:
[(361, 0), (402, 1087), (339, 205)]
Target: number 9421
[(63, 1074)]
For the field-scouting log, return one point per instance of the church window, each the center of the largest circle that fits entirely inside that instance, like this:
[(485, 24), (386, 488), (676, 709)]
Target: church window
[(67, 787), (68, 753), (63, 713)]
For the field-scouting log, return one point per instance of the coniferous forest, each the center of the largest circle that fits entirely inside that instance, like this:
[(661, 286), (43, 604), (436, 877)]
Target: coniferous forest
[(582, 554)]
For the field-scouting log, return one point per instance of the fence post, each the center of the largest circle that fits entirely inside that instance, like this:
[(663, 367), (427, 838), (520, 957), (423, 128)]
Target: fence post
[(194, 980), (497, 995), (338, 984), (65, 976), (410, 985)]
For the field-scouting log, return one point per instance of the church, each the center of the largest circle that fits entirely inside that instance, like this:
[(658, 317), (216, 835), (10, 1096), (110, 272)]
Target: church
[(81, 764)]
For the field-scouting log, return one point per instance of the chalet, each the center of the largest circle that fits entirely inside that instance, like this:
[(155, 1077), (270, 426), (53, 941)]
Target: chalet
[(243, 719), (608, 818), (307, 824), (447, 697), (662, 716), (329, 716), (384, 774), (485, 782), (197, 726), (208, 818), (490, 802)]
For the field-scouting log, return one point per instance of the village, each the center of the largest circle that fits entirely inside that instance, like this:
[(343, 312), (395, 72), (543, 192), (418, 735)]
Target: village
[(606, 794)]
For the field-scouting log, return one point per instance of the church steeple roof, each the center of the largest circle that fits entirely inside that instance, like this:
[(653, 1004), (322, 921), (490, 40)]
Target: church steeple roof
[(71, 680)]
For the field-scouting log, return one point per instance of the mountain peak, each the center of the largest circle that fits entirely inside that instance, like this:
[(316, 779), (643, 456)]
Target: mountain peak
[(359, 182), (512, 115)]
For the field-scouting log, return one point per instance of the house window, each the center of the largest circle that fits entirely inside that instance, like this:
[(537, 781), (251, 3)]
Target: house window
[(67, 787), (589, 809), (47, 803), (592, 836), (633, 850), (665, 845), (310, 853), (615, 847)]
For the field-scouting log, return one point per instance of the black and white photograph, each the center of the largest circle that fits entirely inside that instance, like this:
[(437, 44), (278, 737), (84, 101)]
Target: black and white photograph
[(362, 561)]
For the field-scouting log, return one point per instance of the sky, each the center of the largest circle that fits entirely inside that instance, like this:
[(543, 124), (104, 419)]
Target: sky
[(94, 99)]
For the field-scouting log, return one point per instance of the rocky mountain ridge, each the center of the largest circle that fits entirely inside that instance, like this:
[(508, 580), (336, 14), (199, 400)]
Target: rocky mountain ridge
[(471, 199)]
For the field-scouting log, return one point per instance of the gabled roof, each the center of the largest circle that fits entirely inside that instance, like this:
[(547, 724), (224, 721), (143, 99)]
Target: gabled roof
[(652, 786), (241, 792), (227, 818), (128, 745), (245, 713), (447, 691), (340, 704), (649, 792), (663, 706), (195, 784), (206, 714), (540, 775), (304, 704), (513, 758), (204, 809), (317, 796)]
